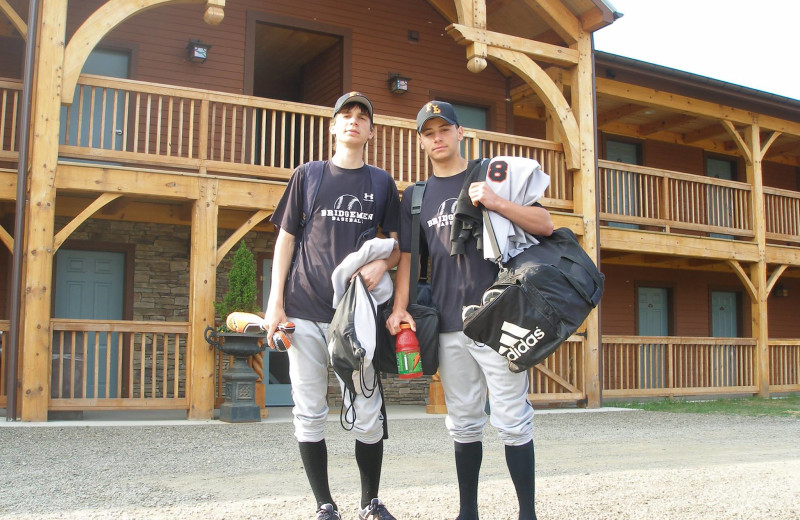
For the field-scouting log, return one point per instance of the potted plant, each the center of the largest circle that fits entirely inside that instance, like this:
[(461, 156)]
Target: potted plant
[(239, 379)]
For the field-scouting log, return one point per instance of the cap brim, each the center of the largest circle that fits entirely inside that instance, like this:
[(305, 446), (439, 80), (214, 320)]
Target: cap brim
[(434, 116), (361, 100)]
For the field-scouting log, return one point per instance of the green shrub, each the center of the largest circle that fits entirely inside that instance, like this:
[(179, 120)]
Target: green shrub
[(242, 288)]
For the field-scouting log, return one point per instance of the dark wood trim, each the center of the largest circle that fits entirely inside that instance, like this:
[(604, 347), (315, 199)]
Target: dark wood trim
[(256, 17), (737, 160), (640, 145)]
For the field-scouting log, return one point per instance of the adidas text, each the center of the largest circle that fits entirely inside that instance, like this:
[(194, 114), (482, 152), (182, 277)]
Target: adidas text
[(517, 341)]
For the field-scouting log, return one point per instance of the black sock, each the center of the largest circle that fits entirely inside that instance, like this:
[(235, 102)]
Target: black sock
[(468, 467), (520, 461), (315, 460), (369, 458)]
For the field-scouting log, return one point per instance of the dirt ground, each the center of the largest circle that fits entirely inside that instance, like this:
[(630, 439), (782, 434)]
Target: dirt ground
[(601, 465)]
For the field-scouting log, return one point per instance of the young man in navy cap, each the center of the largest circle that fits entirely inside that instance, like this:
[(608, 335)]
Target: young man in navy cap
[(302, 292), (467, 369)]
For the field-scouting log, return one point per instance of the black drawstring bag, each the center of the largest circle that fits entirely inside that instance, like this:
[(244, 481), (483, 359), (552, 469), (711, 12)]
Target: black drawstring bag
[(538, 301), (354, 320)]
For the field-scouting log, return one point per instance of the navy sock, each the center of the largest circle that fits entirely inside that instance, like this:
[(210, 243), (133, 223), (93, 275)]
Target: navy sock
[(369, 458), (468, 467), (315, 461), (520, 461)]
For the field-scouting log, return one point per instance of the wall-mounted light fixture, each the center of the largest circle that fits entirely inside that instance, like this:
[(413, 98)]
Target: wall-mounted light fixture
[(397, 83), (197, 51), (780, 291)]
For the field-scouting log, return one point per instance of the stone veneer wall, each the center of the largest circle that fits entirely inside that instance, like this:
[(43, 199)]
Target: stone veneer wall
[(161, 283)]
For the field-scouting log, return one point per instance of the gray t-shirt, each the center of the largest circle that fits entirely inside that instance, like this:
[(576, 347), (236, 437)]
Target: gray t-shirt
[(343, 209), (457, 280)]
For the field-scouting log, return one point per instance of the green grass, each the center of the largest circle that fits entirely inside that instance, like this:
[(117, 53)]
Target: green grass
[(750, 406)]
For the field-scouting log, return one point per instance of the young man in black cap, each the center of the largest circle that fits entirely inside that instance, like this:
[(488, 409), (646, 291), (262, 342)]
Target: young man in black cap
[(468, 369), (307, 250)]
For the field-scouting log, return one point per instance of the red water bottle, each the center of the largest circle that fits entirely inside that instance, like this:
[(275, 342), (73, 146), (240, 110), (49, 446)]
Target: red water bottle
[(409, 361)]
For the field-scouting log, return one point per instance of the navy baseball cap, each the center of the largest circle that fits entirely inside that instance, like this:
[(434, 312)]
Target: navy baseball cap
[(353, 97), (436, 109)]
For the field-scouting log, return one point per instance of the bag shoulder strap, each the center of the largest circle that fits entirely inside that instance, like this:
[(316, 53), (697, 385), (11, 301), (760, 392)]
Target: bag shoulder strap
[(380, 187), (313, 179), (416, 207)]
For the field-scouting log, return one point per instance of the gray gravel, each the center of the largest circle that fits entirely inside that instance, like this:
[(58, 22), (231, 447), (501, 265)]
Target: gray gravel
[(607, 465)]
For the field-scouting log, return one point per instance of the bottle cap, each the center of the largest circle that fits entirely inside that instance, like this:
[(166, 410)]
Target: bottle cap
[(404, 325)]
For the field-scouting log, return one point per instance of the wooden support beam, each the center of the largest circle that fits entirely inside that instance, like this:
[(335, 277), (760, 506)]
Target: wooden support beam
[(8, 185), (559, 18), (36, 336), (16, 21), (774, 277), (6, 238), (552, 97), (744, 278), (664, 124), (67, 230), (202, 293), (688, 105), (618, 113), (537, 50), (241, 232), (773, 136), (739, 141)]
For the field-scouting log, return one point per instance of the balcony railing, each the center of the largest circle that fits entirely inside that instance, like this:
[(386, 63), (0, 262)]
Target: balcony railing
[(651, 197), (784, 365), (118, 365), (782, 214), (123, 120), (640, 366)]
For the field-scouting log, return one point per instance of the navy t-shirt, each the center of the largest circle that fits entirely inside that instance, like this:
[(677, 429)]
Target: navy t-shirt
[(343, 209), (456, 281)]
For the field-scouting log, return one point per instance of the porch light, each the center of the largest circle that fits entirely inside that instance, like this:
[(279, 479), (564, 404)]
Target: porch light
[(397, 83), (780, 291), (197, 51)]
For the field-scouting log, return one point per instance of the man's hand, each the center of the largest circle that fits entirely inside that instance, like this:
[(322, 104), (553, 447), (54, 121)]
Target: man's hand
[(480, 192), (372, 273), (396, 317), (274, 315)]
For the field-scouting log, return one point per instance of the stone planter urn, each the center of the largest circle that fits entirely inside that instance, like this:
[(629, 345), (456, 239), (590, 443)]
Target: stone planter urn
[(239, 380)]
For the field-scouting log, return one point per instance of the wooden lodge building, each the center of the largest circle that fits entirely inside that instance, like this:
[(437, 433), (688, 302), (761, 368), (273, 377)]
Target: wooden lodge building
[(147, 159)]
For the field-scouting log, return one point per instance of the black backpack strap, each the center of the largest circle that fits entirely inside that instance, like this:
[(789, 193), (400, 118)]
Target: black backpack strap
[(416, 207), (313, 180), (380, 189)]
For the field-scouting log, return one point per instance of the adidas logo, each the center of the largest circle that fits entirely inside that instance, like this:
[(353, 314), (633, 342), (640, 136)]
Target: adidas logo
[(516, 341)]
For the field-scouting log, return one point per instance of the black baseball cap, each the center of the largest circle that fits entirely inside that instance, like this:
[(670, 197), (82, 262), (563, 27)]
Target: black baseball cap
[(353, 97), (436, 109)]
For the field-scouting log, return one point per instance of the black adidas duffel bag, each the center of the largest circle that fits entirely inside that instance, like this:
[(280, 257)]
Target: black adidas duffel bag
[(539, 299)]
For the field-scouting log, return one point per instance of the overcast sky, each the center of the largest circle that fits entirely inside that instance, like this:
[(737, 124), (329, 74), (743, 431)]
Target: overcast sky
[(749, 43)]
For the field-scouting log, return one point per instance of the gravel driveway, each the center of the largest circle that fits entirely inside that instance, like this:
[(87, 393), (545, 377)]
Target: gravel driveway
[(601, 465)]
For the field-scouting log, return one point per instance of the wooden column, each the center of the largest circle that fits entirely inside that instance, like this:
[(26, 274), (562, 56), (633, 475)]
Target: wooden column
[(758, 271), (35, 335), (586, 203), (202, 292)]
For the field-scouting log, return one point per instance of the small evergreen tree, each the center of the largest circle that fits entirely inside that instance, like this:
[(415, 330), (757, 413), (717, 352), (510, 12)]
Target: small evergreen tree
[(242, 288)]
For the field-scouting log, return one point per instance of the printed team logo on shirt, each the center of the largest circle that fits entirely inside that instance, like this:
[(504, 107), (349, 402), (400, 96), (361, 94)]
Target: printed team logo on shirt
[(348, 208), (444, 214)]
